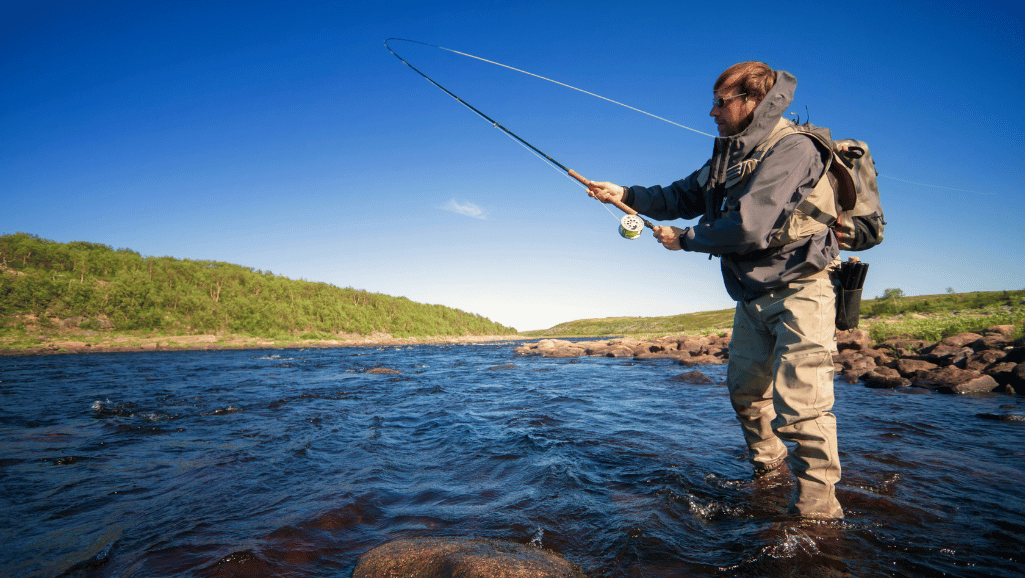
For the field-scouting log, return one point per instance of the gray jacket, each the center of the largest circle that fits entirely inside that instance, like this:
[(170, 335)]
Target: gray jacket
[(738, 222)]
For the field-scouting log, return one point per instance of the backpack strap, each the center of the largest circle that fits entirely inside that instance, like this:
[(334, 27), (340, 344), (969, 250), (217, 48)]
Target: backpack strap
[(832, 175)]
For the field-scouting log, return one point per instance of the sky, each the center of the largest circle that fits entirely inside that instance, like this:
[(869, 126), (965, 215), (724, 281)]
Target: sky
[(285, 137)]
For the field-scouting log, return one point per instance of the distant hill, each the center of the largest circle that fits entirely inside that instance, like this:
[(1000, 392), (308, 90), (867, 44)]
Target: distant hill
[(930, 317), (99, 287)]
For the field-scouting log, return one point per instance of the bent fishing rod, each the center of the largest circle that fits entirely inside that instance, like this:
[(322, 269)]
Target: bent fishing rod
[(630, 226)]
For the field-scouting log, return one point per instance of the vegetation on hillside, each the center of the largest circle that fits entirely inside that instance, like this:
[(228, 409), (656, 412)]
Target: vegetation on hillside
[(929, 317), (46, 281)]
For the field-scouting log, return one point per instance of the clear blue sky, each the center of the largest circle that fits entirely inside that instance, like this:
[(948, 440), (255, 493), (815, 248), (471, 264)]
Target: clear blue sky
[(285, 137)]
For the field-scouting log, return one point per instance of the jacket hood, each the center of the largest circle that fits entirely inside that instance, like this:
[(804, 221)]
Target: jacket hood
[(766, 114), (730, 150)]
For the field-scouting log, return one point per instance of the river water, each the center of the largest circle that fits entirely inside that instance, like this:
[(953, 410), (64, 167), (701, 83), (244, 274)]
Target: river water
[(296, 462)]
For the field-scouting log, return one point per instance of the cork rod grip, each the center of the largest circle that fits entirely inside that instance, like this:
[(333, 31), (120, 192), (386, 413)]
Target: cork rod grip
[(622, 207)]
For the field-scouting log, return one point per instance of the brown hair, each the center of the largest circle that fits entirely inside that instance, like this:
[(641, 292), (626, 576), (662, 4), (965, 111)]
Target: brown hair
[(754, 78)]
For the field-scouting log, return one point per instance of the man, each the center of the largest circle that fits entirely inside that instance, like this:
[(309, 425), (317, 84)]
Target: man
[(775, 261)]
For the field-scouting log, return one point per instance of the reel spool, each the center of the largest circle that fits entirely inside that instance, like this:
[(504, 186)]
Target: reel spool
[(630, 227)]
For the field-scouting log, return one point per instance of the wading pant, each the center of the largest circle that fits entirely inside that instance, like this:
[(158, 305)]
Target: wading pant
[(780, 378)]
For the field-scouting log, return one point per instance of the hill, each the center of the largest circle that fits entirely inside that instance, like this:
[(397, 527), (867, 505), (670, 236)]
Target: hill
[(929, 317), (47, 286)]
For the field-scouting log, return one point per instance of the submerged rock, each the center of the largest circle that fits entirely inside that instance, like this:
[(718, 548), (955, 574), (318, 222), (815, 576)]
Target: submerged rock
[(462, 558)]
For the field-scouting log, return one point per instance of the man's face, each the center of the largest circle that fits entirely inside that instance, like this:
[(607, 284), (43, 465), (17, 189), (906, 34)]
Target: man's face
[(735, 113)]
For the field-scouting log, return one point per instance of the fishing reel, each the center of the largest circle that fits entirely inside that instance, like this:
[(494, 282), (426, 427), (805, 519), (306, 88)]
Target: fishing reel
[(630, 227)]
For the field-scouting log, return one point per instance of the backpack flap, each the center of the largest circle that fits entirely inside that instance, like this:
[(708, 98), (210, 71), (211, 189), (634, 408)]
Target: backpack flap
[(860, 226)]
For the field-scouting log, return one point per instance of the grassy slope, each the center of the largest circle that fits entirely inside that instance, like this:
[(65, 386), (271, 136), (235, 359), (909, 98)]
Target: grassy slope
[(930, 317), (43, 284)]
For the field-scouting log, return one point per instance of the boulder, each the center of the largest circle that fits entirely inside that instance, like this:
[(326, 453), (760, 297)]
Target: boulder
[(857, 339), (1004, 330), (897, 343), (853, 363), (620, 351), (701, 360), (983, 359), (692, 377), (955, 380), (462, 558), (961, 339), (910, 367), (885, 378), (383, 371), (880, 356), (942, 354)]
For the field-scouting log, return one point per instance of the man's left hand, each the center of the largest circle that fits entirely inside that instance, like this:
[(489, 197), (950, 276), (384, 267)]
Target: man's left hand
[(669, 237)]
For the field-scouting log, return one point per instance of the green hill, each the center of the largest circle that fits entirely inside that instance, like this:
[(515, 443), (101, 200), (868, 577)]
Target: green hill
[(43, 282), (930, 317)]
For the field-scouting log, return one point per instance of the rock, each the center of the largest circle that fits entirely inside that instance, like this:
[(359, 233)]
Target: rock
[(992, 341), (961, 339), (984, 359), (941, 354), (667, 344), (954, 380), (885, 378), (897, 343), (1002, 416), (910, 367), (692, 377), (701, 360), (1002, 371), (552, 348), (461, 558), (1004, 330), (854, 363), (880, 356), (620, 351), (565, 353), (383, 371), (651, 356), (692, 344), (502, 367), (857, 339)]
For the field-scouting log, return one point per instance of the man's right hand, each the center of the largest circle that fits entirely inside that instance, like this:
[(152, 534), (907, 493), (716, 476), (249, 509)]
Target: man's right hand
[(606, 192)]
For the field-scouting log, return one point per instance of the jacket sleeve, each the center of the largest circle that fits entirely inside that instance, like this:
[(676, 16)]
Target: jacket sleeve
[(683, 199), (752, 214)]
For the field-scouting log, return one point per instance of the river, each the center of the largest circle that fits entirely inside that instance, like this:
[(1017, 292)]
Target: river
[(295, 462)]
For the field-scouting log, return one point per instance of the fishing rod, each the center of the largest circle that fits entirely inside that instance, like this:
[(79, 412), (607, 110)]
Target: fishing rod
[(556, 164), (630, 226)]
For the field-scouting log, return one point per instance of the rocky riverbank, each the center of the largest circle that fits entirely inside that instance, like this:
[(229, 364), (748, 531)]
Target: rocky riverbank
[(97, 342), (990, 361)]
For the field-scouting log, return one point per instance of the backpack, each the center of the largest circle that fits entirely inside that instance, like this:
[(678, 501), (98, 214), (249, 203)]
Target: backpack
[(846, 200), (861, 226)]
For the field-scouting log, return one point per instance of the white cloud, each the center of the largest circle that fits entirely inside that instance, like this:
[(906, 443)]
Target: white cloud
[(467, 209)]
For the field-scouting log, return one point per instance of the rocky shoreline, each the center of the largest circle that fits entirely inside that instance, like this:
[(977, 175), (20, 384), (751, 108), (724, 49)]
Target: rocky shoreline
[(989, 361), (984, 362), (77, 344)]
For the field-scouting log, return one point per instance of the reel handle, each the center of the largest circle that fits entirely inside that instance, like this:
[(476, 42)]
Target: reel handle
[(622, 206)]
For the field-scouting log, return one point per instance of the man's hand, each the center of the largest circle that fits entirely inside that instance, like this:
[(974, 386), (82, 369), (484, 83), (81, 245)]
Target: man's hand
[(606, 192), (669, 237)]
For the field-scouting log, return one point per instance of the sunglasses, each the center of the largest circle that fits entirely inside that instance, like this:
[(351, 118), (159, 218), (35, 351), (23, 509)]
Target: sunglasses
[(721, 102)]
